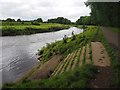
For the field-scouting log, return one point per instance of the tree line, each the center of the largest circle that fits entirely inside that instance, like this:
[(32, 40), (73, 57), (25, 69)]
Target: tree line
[(105, 13), (60, 20)]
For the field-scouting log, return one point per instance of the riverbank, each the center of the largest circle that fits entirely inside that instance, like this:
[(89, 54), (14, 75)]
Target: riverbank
[(13, 30), (78, 54), (21, 51)]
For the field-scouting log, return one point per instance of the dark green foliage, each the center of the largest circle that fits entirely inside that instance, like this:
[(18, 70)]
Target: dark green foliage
[(105, 13), (10, 20), (84, 20), (18, 20), (65, 39), (60, 20), (73, 36), (39, 20)]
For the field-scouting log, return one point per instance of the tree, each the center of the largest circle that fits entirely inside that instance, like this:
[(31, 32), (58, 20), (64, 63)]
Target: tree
[(10, 20), (39, 20), (105, 13), (18, 20), (60, 20), (84, 20)]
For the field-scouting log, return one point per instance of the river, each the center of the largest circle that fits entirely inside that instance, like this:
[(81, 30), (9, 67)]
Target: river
[(18, 53)]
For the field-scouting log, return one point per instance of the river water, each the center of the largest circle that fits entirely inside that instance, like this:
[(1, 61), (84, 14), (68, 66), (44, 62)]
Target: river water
[(18, 53)]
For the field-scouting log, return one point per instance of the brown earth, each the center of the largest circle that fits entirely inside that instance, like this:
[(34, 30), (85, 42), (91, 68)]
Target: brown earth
[(113, 39), (101, 59), (46, 69)]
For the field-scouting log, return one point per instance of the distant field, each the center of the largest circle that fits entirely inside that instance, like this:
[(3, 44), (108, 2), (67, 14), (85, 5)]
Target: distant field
[(12, 29)]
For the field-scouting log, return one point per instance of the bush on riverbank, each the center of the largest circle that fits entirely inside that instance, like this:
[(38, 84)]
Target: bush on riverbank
[(68, 45), (31, 29)]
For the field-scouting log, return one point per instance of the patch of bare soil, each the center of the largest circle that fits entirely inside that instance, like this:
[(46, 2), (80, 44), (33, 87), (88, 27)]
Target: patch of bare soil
[(46, 69), (104, 76)]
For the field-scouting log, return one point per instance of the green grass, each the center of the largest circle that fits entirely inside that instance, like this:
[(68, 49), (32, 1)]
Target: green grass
[(115, 29), (84, 58), (73, 59), (72, 79), (12, 30), (90, 47), (78, 58), (59, 47)]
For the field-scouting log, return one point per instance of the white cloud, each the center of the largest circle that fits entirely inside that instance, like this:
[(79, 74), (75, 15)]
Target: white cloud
[(32, 9)]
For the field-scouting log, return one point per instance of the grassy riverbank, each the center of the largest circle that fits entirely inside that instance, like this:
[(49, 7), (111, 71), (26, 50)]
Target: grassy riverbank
[(77, 78), (28, 28), (73, 49)]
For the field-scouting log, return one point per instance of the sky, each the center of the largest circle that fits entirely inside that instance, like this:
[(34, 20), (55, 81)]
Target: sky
[(45, 9)]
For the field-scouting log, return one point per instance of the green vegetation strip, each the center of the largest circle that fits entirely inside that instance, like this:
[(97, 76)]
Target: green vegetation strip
[(12, 30), (90, 51), (72, 79), (84, 59), (63, 63), (68, 66), (67, 63), (78, 59), (73, 59), (61, 66), (55, 71)]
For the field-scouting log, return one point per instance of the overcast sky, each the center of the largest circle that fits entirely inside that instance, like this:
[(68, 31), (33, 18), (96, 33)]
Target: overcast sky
[(46, 9)]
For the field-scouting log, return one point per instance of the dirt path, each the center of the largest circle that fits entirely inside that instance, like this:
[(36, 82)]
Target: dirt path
[(45, 70), (112, 38), (104, 76), (99, 54)]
